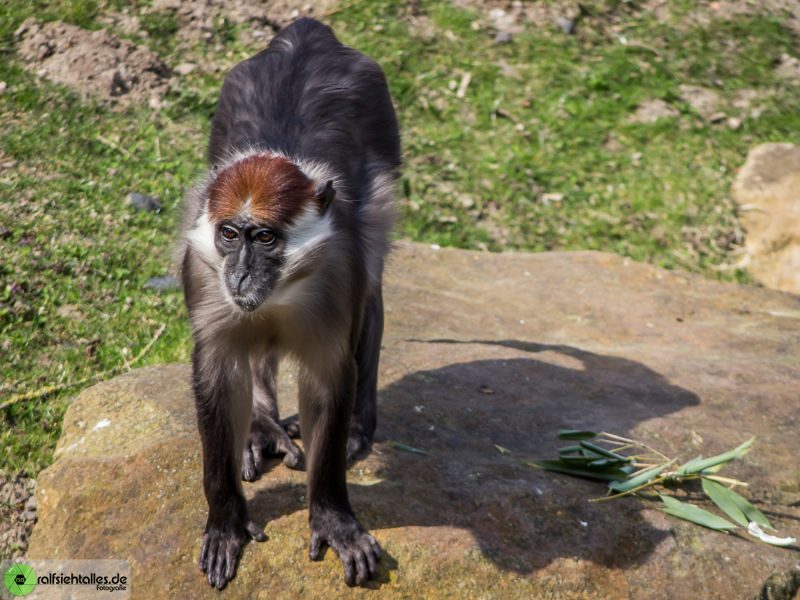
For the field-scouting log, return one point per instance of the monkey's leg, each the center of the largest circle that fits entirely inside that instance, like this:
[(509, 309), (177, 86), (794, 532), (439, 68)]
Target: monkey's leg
[(365, 412), (222, 391), (324, 418), (267, 437)]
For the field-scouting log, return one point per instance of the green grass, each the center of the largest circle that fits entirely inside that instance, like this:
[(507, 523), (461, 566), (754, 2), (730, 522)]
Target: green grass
[(539, 154)]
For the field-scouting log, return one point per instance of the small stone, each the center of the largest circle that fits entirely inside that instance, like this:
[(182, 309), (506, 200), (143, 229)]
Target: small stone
[(3, 87), (31, 503), (653, 110), (143, 202), (552, 198), (69, 311), (702, 100), (29, 515), (503, 37), (162, 283), (185, 68), (734, 123), (25, 26), (717, 117), (566, 24), (155, 102), (45, 51), (788, 68)]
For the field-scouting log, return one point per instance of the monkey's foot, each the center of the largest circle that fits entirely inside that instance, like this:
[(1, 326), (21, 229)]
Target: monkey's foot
[(357, 549), (358, 443), (268, 440), (221, 549)]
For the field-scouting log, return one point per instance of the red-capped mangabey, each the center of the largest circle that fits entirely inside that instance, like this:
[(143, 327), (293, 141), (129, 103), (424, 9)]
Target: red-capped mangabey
[(282, 254)]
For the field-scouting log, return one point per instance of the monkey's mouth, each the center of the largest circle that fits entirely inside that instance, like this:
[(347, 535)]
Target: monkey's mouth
[(247, 302)]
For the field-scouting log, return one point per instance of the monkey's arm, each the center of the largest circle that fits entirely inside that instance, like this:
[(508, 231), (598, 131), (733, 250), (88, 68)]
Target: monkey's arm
[(324, 418), (221, 388)]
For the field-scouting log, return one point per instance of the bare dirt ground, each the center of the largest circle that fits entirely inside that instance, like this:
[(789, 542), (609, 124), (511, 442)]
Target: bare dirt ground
[(17, 514), (104, 66), (93, 63), (512, 15)]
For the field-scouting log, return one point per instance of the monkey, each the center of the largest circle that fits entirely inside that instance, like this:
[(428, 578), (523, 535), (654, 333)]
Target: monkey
[(281, 255)]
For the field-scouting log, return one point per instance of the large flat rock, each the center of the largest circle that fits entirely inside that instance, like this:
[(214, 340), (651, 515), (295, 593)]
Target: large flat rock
[(480, 349)]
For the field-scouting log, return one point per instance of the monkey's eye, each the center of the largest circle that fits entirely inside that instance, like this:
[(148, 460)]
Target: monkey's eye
[(265, 236), (229, 233)]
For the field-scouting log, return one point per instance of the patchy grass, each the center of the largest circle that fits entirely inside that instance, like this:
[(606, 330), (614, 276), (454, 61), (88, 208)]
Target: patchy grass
[(527, 145)]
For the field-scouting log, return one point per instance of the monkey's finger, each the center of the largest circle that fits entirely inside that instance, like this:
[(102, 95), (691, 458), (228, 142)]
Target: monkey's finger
[(231, 558), (256, 532), (219, 568), (361, 565), (203, 554), (212, 560), (258, 457), (293, 429), (371, 554), (316, 547), (376, 547), (249, 471), (294, 458), (349, 568)]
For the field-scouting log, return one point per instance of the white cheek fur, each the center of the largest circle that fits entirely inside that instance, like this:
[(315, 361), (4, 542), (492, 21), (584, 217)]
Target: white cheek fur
[(309, 231), (201, 238)]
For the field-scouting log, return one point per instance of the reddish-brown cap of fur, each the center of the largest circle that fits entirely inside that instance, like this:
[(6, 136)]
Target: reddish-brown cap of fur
[(276, 189)]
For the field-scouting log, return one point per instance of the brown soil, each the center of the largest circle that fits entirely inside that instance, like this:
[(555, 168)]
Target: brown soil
[(198, 19), (93, 63), (17, 514)]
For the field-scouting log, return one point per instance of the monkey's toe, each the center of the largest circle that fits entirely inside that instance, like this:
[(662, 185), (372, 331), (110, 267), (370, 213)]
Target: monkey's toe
[(270, 443), (292, 427), (358, 446)]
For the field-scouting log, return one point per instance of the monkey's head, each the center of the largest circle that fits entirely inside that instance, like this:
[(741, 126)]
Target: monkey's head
[(267, 219)]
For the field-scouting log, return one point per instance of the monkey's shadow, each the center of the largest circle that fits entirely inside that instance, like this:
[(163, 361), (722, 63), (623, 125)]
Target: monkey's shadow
[(522, 518)]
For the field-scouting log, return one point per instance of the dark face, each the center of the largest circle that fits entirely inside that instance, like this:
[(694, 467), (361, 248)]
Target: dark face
[(253, 256)]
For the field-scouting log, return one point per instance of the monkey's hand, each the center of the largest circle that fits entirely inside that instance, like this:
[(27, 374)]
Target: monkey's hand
[(357, 549), (222, 547), (266, 439)]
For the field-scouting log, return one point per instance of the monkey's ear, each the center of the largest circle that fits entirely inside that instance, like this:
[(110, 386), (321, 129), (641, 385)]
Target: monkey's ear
[(324, 196)]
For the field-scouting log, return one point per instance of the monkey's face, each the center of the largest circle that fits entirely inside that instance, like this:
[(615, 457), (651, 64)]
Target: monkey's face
[(252, 260)]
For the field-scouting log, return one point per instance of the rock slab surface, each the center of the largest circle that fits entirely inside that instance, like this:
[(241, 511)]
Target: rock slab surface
[(767, 190), (481, 350)]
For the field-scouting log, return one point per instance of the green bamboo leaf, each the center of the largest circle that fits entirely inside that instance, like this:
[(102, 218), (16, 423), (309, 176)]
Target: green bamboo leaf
[(569, 450), (640, 479), (601, 473), (723, 498), (606, 462), (578, 459), (575, 434), (603, 452), (699, 464), (750, 512), (695, 514), (406, 448)]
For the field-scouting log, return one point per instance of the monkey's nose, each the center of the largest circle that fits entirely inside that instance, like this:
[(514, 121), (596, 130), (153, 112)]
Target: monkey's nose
[(244, 280)]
